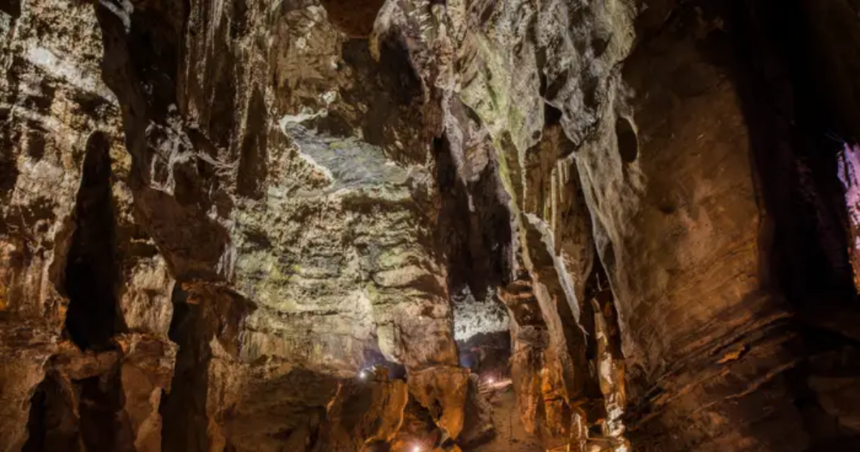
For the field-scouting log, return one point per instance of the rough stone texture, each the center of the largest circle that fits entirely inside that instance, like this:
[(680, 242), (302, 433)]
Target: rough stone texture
[(443, 393), (216, 218), (52, 101), (87, 392), (365, 413), (847, 173), (691, 233), (473, 317)]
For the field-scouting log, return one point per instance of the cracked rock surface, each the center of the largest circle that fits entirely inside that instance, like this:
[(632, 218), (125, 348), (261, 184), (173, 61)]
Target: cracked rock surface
[(399, 225)]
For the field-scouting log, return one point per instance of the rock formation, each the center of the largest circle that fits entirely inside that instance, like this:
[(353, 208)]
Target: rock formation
[(429, 225)]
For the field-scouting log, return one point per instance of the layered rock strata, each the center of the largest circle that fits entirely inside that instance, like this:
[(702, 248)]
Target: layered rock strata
[(308, 225)]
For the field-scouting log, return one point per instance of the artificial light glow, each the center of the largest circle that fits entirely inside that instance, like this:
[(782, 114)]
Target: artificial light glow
[(490, 380), (416, 449), (363, 375)]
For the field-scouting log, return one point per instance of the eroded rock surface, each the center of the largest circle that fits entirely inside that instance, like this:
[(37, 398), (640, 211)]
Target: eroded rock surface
[(379, 225)]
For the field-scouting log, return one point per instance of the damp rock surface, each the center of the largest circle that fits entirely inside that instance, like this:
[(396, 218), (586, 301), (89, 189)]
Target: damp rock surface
[(319, 225)]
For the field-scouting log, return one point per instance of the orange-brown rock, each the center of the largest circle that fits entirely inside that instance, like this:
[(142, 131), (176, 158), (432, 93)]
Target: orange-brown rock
[(443, 392), (366, 225), (364, 413)]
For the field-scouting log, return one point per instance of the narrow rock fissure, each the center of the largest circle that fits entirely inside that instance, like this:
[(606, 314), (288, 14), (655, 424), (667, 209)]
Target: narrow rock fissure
[(599, 289), (37, 423), (183, 409), (11, 7), (91, 268), (103, 424), (605, 389), (53, 426), (628, 146), (474, 223)]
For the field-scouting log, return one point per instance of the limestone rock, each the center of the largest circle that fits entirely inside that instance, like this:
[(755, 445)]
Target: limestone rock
[(215, 217), (363, 413), (443, 392)]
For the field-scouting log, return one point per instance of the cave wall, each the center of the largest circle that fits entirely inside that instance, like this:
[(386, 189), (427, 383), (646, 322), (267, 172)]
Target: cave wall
[(239, 226), (52, 103), (685, 241)]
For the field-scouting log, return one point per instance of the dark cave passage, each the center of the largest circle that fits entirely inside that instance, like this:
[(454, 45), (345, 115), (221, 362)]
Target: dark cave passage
[(183, 409), (104, 424), (86, 415), (90, 273), (52, 426), (487, 355), (37, 422), (476, 240), (791, 116)]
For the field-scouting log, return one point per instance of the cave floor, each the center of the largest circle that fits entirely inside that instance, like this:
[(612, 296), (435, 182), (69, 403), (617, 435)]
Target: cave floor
[(510, 434)]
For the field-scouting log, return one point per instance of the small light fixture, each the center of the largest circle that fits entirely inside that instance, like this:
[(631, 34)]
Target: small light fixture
[(490, 380), (363, 375), (416, 449)]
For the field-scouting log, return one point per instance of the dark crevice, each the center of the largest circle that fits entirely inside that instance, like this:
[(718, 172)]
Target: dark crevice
[(476, 240), (796, 161), (598, 288), (104, 424), (90, 272), (8, 163), (140, 66), (392, 92), (253, 151), (789, 120), (353, 17), (37, 427), (486, 354), (11, 7), (52, 426), (628, 144), (546, 274), (87, 415), (183, 409), (551, 115), (554, 87)]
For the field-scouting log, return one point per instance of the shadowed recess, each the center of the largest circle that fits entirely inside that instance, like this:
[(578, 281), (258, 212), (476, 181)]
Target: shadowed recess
[(11, 7), (183, 409), (53, 425), (90, 272), (353, 17), (628, 145), (104, 424)]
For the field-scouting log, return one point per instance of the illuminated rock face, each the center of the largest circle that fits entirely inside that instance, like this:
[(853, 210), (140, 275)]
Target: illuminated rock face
[(428, 225)]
